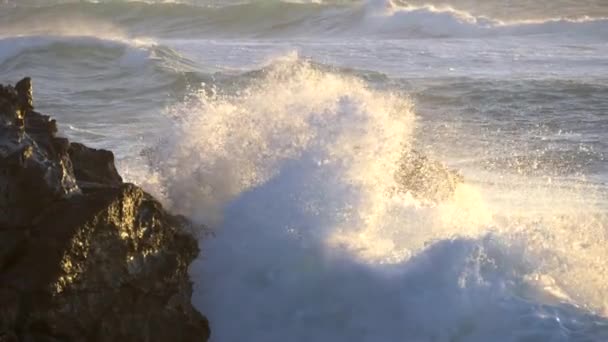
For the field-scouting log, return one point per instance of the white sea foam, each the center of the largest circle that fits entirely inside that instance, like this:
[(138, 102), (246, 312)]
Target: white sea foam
[(292, 111), (294, 174)]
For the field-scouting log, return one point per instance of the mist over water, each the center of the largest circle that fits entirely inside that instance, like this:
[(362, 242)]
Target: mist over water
[(280, 126)]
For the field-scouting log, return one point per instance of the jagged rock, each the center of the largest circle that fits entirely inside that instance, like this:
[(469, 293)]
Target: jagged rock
[(108, 266), (34, 168), (10, 110), (25, 93), (81, 262), (426, 179), (94, 166)]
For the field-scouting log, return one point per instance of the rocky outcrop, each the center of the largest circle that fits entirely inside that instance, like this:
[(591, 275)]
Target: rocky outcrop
[(84, 256), (93, 166), (426, 179)]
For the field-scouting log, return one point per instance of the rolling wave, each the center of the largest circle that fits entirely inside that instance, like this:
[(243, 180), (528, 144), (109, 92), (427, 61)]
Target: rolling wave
[(134, 77), (372, 18), (117, 56), (19, 47), (128, 57)]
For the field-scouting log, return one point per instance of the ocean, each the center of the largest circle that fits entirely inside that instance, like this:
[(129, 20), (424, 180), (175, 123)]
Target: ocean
[(279, 125)]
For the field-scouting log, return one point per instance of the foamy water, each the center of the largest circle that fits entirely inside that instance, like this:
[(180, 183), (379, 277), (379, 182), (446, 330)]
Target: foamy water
[(280, 125)]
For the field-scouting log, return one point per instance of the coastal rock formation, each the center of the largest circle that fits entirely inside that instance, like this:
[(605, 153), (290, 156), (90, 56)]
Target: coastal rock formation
[(84, 256), (426, 179)]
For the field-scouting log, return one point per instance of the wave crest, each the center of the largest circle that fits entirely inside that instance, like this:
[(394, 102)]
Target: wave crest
[(372, 18), (225, 144), (299, 162)]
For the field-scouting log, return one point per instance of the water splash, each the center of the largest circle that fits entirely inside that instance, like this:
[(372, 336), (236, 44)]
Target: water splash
[(293, 109), (294, 170)]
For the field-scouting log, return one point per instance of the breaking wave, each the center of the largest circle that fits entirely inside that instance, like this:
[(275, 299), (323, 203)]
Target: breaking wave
[(312, 243), (291, 166), (271, 19)]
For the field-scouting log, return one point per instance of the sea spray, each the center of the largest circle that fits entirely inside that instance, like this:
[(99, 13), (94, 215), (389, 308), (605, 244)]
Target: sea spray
[(294, 173), (291, 110)]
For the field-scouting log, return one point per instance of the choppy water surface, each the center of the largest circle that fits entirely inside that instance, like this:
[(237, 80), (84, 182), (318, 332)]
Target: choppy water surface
[(280, 125)]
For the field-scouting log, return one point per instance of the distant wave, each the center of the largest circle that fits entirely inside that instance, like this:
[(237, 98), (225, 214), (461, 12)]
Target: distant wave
[(89, 53), (136, 76), (372, 19), (14, 47)]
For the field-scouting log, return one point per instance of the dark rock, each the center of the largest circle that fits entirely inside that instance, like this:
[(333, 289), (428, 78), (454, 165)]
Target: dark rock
[(426, 179), (8, 337), (12, 242), (108, 264), (95, 166), (10, 110), (33, 173), (25, 93)]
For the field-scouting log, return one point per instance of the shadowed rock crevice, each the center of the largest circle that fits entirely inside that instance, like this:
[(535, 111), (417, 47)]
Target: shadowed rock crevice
[(84, 256)]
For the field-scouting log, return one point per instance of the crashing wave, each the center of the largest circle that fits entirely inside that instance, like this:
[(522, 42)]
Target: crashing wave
[(298, 169)]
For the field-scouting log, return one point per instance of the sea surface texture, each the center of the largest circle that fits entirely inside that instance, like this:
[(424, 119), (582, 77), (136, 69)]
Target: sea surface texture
[(280, 126)]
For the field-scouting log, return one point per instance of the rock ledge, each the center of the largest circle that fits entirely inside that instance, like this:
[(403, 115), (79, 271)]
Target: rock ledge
[(84, 256)]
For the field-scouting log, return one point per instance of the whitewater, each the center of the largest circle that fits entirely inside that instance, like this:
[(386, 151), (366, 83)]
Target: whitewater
[(280, 126)]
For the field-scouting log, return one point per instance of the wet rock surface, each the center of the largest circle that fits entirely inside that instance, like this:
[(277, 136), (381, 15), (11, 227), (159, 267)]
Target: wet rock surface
[(84, 256)]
